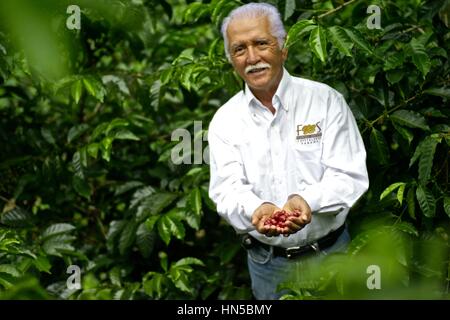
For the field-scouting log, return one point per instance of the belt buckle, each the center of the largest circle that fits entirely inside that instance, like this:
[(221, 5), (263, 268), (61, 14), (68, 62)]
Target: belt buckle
[(290, 251), (315, 247)]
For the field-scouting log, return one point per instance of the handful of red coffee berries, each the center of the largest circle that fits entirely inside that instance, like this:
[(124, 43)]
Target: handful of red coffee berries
[(279, 218)]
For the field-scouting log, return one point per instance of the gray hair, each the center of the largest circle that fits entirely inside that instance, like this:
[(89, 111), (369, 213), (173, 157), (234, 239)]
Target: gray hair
[(256, 10)]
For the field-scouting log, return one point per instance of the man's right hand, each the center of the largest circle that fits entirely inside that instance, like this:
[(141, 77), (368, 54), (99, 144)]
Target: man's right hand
[(261, 214)]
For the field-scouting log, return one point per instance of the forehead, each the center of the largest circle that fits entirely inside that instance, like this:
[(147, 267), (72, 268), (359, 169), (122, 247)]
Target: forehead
[(246, 29)]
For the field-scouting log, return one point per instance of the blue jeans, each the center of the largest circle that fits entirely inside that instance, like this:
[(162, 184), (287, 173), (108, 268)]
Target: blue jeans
[(267, 271)]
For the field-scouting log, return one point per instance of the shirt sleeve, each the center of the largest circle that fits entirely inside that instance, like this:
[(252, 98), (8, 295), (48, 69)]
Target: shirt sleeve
[(345, 177), (229, 187)]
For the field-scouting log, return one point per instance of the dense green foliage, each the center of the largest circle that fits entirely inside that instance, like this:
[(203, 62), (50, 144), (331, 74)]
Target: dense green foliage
[(86, 123)]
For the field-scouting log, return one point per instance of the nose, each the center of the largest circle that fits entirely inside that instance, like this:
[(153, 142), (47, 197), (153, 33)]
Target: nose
[(252, 55)]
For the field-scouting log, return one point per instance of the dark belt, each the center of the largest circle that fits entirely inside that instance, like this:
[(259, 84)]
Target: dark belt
[(294, 252)]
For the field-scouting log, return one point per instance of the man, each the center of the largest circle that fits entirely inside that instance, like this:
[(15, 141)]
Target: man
[(283, 143)]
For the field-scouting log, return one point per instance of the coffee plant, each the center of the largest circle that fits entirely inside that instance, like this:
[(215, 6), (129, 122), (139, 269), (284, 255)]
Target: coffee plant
[(90, 98)]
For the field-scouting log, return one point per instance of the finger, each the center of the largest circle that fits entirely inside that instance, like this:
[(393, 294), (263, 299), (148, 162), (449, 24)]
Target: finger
[(306, 218), (294, 227)]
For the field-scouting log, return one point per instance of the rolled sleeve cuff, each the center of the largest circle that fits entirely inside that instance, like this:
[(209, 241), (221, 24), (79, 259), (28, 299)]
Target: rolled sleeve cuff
[(250, 204), (312, 198)]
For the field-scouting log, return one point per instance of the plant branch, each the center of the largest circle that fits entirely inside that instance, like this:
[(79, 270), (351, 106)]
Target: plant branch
[(336, 9), (402, 104)]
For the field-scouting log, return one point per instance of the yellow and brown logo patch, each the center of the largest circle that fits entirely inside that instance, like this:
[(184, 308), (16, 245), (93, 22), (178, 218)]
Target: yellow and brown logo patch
[(309, 133)]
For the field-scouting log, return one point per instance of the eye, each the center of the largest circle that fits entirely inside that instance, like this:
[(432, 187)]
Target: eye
[(262, 43), (238, 50)]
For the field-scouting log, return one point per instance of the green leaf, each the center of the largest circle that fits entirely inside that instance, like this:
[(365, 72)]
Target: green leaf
[(125, 135), (58, 244), (150, 222), (145, 240), (447, 205), (391, 188), (77, 165), (9, 269), (168, 226), (407, 227), (82, 187), (420, 57), (140, 195), (426, 201), (94, 87), (185, 78), (188, 261), (155, 285), (115, 229), (400, 193), (433, 112), (56, 229), (297, 30), (42, 264), (289, 9), (47, 135), (154, 204), (379, 146), (196, 201), (76, 131), (182, 282), (393, 61), (99, 130), (92, 149), (359, 40), (127, 186), (411, 203), (116, 123), (410, 119), (83, 156), (106, 147), (318, 43), (16, 217), (340, 40), (404, 132), (428, 148), (127, 237), (187, 55), (166, 76), (114, 276), (164, 230), (395, 75), (425, 153), (192, 220), (440, 92), (77, 89), (195, 11)]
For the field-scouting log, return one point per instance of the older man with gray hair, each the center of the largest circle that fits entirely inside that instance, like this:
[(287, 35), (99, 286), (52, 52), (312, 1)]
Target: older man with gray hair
[(287, 160)]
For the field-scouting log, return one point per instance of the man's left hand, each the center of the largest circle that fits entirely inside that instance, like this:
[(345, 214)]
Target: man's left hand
[(297, 203)]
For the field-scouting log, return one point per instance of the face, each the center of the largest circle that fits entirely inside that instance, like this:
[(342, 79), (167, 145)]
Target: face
[(252, 44)]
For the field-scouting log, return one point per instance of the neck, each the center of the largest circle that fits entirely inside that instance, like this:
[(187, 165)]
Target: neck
[(265, 96)]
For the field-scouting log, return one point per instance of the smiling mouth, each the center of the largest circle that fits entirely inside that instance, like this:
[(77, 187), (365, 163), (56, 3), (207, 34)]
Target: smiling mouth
[(257, 70)]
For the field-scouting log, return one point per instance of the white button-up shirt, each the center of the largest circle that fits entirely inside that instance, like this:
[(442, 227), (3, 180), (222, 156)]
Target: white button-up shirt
[(311, 146)]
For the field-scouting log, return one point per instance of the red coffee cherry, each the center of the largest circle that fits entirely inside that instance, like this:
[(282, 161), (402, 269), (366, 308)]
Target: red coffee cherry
[(279, 218)]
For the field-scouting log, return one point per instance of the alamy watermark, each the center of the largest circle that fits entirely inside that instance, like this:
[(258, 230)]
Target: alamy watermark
[(374, 280), (74, 281), (73, 22), (183, 153), (374, 21)]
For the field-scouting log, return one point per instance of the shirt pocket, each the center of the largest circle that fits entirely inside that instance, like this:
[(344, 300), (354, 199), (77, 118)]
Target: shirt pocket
[(305, 167), (306, 151)]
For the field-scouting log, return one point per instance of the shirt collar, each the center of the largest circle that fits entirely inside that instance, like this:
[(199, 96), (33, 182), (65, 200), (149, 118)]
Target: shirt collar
[(281, 92)]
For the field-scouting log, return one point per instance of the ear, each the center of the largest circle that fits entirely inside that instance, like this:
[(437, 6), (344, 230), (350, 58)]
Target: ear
[(284, 53)]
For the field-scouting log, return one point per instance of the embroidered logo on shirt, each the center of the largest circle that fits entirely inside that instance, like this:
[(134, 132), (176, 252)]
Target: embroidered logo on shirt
[(309, 133)]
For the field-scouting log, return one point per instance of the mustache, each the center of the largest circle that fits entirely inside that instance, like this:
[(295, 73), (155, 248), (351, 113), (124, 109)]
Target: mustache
[(257, 66)]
